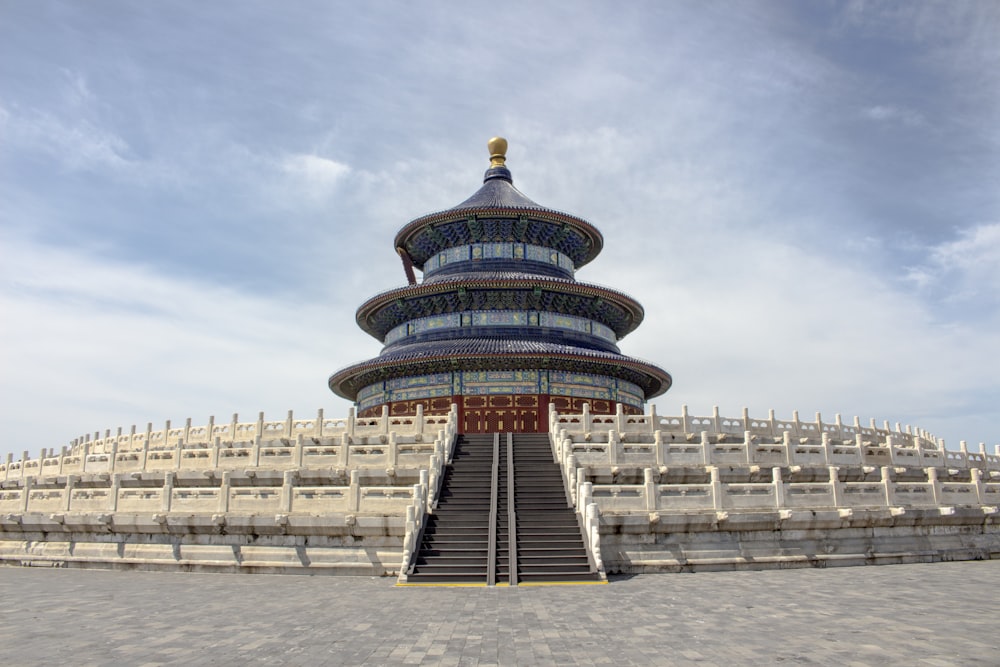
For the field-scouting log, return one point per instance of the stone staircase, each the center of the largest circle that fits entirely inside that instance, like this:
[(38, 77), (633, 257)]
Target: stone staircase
[(497, 481), (549, 544)]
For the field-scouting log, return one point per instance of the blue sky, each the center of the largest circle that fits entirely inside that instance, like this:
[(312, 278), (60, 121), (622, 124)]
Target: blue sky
[(195, 197)]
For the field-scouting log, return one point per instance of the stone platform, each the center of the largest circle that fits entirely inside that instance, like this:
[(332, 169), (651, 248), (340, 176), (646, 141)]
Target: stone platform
[(922, 614)]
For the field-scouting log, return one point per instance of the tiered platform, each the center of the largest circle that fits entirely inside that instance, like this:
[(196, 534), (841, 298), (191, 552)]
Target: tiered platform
[(686, 493), (314, 495)]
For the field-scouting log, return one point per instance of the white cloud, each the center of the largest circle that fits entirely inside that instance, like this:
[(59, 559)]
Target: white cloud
[(968, 267), (315, 176), (76, 145), (90, 344), (890, 113)]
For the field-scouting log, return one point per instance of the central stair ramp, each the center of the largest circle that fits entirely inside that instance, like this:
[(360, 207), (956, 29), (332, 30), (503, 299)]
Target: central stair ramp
[(502, 518)]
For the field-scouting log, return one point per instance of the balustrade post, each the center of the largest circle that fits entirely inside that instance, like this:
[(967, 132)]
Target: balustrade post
[(716, 419), (260, 425), (746, 420), (685, 419), (613, 447), (383, 426), (887, 485), (786, 442), (420, 418), (232, 428), (659, 446), (168, 491), (772, 422), (187, 431), (976, 478), (224, 486), (836, 488), (116, 482), (320, 423), (354, 501), (392, 449), (114, 455), (706, 449), (287, 482), (716, 485), (779, 487), (825, 442), (620, 417), (299, 448), (216, 446), (343, 452), (586, 418), (71, 481), (652, 418), (585, 495), (932, 479), (145, 444), (650, 490), (178, 451), (748, 447), (255, 452), (890, 444), (26, 484), (289, 424), (571, 476)]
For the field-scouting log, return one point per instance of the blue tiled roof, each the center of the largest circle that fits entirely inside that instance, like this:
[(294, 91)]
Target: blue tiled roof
[(492, 346), (499, 192)]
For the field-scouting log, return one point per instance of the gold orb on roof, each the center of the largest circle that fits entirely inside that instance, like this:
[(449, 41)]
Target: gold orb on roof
[(498, 151)]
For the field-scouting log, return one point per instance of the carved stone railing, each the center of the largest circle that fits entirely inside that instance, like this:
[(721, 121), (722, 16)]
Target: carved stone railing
[(384, 442), (416, 514), (167, 493), (884, 493), (632, 440)]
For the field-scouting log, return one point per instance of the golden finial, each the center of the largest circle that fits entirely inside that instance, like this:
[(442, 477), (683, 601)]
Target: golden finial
[(498, 151)]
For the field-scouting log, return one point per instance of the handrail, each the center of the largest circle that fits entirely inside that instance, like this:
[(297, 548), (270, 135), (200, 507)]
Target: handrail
[(491, 558), (511, 513)]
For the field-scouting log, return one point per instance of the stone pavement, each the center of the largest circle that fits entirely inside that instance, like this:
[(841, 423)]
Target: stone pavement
[(924, 614)]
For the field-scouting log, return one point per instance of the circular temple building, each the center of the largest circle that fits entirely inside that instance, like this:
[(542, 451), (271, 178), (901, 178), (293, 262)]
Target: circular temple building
[(499, 325)]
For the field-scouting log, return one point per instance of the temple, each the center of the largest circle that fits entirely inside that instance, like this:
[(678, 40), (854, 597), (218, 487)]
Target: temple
[(499, 326), (500, 438)]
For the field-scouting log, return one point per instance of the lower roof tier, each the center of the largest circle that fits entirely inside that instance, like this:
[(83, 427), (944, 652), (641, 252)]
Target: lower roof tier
[(497, 354)]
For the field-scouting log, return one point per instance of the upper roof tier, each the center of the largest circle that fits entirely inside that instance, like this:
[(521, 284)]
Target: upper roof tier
[(499, 212)]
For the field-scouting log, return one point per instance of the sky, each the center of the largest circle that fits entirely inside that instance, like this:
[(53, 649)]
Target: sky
[(196, 197)]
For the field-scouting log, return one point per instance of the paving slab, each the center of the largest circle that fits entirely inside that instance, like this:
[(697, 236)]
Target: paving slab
[(933, 614)]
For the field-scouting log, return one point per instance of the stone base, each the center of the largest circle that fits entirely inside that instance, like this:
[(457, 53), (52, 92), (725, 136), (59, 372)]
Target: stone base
[(707, 541), (332, 544)]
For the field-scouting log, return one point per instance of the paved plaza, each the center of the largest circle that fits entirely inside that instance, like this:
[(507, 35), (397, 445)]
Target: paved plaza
[(926, 614)]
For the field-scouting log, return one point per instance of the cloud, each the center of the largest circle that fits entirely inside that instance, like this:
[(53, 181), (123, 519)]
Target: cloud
[(317, 177), (76, 145), (889, 113), (967, 267), (202, 209), (100, 344)]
